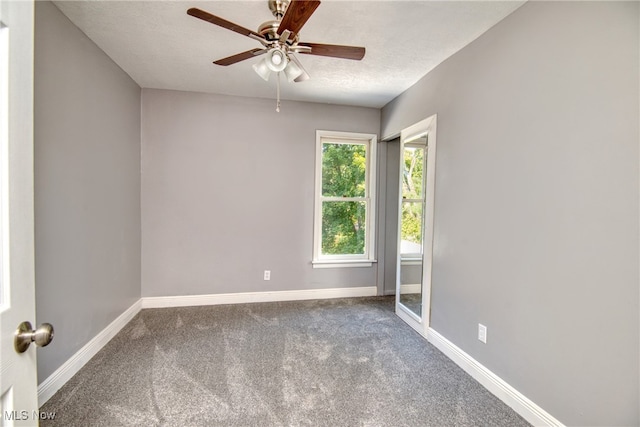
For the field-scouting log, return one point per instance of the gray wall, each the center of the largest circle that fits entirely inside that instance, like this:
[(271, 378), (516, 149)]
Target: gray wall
[(536, 211), (227, 192), (87, 187), (381, 217), (391, 229)]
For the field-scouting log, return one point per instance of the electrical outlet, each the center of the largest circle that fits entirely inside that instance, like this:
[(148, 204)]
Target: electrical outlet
[(482, 333), (267, 275)]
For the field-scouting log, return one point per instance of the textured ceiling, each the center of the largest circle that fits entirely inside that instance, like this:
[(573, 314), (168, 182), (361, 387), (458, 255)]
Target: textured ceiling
[(160, 46)]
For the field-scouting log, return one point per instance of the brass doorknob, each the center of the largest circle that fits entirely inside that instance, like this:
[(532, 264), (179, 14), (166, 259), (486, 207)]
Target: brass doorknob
[(25, 335)]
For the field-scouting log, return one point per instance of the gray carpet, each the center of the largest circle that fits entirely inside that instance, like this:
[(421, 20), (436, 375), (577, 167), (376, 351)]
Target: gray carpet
[(346, 362), (413, 302)]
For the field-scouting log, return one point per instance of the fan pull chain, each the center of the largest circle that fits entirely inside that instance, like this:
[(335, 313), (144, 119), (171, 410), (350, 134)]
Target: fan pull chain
[(278, 93)]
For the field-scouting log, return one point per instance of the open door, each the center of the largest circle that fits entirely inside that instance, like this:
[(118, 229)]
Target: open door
[(415, 224), (18, 381)]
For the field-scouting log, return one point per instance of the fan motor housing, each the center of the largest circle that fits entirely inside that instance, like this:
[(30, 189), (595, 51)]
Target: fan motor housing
[(269, 30), (278, 7)]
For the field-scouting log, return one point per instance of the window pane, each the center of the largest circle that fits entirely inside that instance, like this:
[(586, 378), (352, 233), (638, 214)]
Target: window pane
[(343, 170), (343, 228), (411, 239), (413, 172)]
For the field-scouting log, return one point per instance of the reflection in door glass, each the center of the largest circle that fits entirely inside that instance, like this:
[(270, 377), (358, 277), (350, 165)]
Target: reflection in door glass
[(412, 187), (413, 167), (412, 202)]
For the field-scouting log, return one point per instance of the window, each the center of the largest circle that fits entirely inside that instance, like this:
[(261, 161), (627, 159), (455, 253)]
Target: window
[(344, 220), (413, 169)]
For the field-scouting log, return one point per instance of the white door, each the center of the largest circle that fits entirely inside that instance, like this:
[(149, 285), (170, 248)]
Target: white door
[(415, 252), (18, 376)]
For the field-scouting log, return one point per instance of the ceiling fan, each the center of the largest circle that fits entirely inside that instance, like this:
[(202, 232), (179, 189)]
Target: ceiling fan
[(280, 40)]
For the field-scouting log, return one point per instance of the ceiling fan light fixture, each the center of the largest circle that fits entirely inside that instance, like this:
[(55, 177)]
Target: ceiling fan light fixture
[(276, 59), (279, 39), (262, 69), (303, 77), (292, 71)]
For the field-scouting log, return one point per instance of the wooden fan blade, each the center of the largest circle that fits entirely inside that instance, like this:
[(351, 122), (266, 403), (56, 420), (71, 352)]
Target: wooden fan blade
[(334, 50), (298, 12), (206, 16), (240, 57)]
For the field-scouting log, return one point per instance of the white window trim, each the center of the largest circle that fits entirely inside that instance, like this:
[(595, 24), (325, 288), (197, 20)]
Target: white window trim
[(336, 261)]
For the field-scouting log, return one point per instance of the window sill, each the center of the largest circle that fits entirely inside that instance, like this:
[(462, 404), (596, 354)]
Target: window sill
[(334, 263)]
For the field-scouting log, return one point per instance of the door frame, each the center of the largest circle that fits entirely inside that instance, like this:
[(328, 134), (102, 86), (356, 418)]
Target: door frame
[(421, 323)]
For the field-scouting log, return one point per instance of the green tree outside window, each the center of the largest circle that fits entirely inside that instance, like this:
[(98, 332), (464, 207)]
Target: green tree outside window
[(343, 176), (412, 194)]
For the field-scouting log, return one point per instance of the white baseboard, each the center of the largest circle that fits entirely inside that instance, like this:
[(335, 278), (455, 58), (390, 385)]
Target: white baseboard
[(413, 288), (247, 297), (64, 373), (496, 385)]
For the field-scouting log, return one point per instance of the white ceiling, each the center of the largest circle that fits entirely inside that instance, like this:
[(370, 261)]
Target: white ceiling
[(160, 46)]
